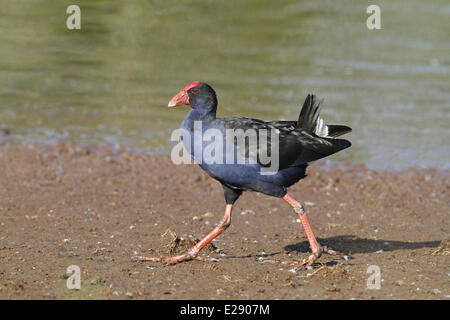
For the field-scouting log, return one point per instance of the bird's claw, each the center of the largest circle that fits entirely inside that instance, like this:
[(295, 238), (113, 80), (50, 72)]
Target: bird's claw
[(306, 262)]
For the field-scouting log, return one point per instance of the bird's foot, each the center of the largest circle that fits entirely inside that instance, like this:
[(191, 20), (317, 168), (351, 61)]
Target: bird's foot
[(170, 260), (311, 259)]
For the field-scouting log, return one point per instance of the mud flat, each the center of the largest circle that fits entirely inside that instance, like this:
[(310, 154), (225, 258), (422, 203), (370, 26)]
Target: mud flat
[(63, 205)]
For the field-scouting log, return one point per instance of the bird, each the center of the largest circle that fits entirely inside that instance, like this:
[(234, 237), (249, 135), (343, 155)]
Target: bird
[(240, 162)]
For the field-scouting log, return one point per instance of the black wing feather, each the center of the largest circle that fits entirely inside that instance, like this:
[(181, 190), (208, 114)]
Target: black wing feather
[(298, 143), (309, 114), (296, 147)]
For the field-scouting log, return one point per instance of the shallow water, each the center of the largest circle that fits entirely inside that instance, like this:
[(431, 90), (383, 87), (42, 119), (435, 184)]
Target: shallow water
[(111, 80)]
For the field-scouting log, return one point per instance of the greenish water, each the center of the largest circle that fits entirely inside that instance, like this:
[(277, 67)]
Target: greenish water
[(111, 80)]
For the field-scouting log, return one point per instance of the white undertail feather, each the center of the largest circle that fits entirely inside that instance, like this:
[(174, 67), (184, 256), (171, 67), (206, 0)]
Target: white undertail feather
[(321, 128)]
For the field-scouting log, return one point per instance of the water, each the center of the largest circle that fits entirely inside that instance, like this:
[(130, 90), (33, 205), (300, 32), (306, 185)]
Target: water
[(111, 81)]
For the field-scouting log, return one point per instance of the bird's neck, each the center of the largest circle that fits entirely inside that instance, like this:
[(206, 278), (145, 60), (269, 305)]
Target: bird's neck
[(196, 122), (199, 114)]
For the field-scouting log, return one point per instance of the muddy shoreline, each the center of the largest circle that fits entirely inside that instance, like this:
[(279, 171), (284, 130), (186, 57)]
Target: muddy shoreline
[(64, 204)]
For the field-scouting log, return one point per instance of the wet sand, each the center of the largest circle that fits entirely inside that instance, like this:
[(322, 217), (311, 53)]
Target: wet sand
[(63, 205)]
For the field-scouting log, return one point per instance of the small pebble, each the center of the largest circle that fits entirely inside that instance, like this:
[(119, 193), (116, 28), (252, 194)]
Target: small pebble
[(207, 215), (293, 270), (436, 291), (399, 283), (268, 261)]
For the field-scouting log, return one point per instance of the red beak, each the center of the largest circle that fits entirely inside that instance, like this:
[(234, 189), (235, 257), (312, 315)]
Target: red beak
[(180, 99)]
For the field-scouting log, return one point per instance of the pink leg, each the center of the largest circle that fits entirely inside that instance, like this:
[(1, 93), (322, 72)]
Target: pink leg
[(193, 252), (316, 248)]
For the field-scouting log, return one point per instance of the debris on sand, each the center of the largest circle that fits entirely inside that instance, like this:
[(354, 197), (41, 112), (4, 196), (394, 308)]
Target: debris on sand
[(334, 225), (332, 288), (149, 192), (248, 211), (443, 249), (203, 216), (336, 272), (174, 242), (399, 282), (435, 291), (179, 244), (207, 215)]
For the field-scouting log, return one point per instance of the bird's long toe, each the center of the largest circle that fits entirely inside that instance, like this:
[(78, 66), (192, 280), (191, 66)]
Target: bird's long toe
[(168, 259), (171, 260)]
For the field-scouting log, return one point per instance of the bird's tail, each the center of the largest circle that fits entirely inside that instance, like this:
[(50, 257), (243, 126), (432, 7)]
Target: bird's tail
[(310, 120)]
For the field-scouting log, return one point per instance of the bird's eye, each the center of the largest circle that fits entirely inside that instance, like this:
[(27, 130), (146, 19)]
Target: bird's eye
[(194, 90)]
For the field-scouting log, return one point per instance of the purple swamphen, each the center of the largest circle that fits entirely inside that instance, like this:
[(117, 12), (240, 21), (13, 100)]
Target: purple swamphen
[(297, 144)]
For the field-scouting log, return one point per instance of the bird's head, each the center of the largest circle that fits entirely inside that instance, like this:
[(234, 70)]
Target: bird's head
[(197, 94)]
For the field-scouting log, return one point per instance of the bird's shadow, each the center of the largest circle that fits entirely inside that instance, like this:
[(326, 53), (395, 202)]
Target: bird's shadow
[(350, 244), (347, 245)]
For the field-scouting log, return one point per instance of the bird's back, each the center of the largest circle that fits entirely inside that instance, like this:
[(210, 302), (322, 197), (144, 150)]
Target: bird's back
[(268, 156)]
